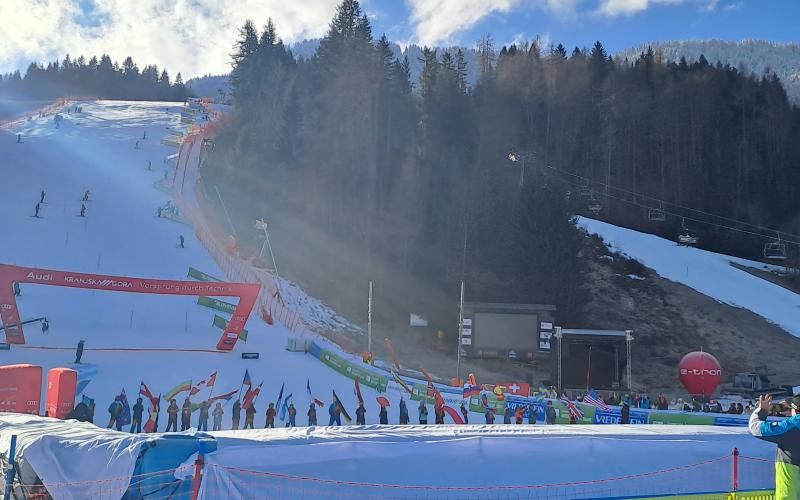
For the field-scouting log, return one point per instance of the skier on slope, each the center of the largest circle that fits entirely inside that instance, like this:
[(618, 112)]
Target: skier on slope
[(202, 421), (236, 415), (83, 211), (464, 413), (36, 210), (403, 412), (136, 419), (217, 414), (85, 196), (361, 414), (270, 416), (312, 415), (383, 417), (181, 240), (186, 414), (172, 413), (41, 197), (79, 352), (249, 416), (423, 413), (19, 138)]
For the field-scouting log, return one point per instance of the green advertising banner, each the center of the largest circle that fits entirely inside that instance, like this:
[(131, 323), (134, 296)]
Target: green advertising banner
[(683, 418), (200, 275), (219, 305), (222, 324), (351, 370)]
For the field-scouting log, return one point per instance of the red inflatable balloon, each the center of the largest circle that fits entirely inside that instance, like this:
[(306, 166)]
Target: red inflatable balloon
[(700, 373)]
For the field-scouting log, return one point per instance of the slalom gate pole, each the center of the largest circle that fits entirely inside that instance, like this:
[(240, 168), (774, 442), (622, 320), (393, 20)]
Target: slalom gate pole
[(11, 468), (198, 469), (735, 475)]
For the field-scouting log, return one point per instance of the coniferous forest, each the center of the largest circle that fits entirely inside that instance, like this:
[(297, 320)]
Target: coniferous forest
[(97, 78), (415, 176)]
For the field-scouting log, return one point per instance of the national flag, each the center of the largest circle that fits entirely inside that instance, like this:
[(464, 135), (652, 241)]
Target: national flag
[(390, 348), (285, 407), (471, 390), (145, 391), (401, 383), (152, 418), (250, 396), (212, 380), (280, 396), (358, 392), (382, 401), (124, 417), (572, 408), (594, 399), (521, 389), (227, 396), (542, 387), (184, 386), (453, 414), (194, 390), (312, 399), (247, 380), (341, 408), (438, 400)]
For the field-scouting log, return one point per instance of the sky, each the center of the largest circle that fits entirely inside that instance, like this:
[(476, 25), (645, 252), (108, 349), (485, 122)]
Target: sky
[(196, 37)]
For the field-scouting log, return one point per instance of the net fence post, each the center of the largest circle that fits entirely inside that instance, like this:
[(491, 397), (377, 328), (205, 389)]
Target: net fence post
[(198, 469), (9, 479), (735, 472)]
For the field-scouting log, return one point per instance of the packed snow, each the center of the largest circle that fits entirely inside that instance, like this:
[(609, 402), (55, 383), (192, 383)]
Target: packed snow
[(707, 272)]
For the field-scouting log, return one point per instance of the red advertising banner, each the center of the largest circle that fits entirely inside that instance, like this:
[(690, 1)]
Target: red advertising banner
[(9, 312)]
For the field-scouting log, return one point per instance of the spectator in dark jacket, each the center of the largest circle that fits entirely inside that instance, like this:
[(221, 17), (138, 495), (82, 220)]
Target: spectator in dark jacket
[(172, 416), (550, 414), (236, 414), (249, 416), (625, 413), (186, 414), (136, 419), (312, 415), (383, 417)]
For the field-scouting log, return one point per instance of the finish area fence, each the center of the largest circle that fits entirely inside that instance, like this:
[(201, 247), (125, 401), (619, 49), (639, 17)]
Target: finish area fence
[(726, 477)]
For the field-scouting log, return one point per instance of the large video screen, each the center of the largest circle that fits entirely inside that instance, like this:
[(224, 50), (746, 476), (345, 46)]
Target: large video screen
[(505, 331)]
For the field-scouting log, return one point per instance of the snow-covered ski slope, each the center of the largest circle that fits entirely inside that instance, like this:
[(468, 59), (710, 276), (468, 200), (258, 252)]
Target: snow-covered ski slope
[(709, 273), (137, 336)]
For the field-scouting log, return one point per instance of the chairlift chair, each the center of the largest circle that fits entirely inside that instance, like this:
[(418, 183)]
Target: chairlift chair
[(775, 250), (585, 191), (594, 206), (657, 214), (687, 237)]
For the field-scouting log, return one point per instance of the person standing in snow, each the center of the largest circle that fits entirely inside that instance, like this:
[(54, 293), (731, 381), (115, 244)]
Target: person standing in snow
[(172, 416), (36, 210), (202, 421), (270, 417), (336, 414), (83, 211), (383, 417), (237, 414), (19, 138), (312, 415), (531, 415), (518, 413), (180, 238), (217, 414), (79, 352), (292, 411), (464, 413), (438, 411), (507, 415), (114, 410), (361, 414), (550, 414), (785, 434), (136, 419), (186, 414), (403, 412), (489, 413), (625, 413), (85, 196), (144, 135), (423, 413), (136, 146), (249, 416), (149, 166)]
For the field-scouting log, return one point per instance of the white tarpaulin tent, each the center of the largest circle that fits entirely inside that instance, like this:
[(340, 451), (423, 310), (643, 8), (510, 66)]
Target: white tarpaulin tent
[(331, 460)]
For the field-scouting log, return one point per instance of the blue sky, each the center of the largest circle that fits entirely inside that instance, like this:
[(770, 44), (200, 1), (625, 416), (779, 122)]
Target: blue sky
[(196, 36)]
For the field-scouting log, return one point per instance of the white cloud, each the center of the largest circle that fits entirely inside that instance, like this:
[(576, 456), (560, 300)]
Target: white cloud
[(191, 36), (613, 8), (439, 21)]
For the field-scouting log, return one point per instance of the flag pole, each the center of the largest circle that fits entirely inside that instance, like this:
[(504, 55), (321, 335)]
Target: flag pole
[(588, 369), (239, 396), (212, 387)]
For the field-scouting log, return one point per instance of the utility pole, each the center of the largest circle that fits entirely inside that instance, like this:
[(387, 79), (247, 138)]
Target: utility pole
[(460, 331), (521, 157), (369, 319)]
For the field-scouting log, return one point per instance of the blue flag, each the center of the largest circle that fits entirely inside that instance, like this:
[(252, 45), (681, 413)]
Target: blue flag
[(247, 380), (285, 407), (125, 415), (280, 397)]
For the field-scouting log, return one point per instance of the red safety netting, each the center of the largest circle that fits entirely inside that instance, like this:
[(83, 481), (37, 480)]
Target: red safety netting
[(712, 476)]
